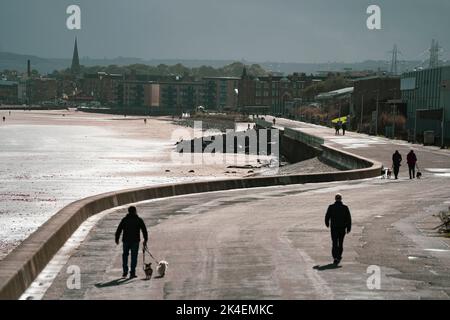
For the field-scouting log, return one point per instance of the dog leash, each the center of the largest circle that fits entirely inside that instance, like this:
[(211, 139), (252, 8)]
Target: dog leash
[(145, 249)]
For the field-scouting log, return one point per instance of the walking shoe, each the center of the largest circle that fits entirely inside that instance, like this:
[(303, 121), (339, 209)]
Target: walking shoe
[(336, 262), (124, 275), (132, 276)]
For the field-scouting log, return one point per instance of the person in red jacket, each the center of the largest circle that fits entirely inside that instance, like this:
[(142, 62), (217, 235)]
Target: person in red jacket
[(411, 159)]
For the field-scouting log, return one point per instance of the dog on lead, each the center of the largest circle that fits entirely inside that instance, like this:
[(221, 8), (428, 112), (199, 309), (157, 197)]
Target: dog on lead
[(162, 268), (386, 173), (148, 270)]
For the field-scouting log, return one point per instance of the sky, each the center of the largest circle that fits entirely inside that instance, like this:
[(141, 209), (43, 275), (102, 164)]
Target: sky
[(309, 31)]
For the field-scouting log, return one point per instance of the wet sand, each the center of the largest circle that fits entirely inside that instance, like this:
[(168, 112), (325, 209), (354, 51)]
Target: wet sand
[(51, 158)]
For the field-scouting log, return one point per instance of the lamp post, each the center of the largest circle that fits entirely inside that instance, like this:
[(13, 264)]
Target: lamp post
[(443, 127), (393, 124), (362, 113), (376, 115), (444, 86)]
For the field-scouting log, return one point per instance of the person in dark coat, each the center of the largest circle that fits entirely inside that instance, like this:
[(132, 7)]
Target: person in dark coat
[(344, 128), (131, 225), (337, 127), (339, 217), (411, 159), (396, 163)]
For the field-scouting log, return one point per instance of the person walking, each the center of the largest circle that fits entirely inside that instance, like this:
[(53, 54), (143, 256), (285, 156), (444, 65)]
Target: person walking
[(339, 217), (337, 127), (411, 159), (344, 127), (131, 225), (396, 163)]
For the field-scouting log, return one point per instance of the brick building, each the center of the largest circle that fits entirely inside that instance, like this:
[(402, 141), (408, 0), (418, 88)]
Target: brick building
[(220, 93), (101, 86), (8, 92), (272, 91)]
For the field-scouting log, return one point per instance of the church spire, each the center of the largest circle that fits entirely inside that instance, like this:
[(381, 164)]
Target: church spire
[(244, 73), (75, 68)]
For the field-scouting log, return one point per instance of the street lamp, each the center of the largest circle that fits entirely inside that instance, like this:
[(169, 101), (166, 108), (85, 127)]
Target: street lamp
[(362, 113), (376, 116)]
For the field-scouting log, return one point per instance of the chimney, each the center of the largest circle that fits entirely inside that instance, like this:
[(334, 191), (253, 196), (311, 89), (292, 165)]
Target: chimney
[(29, 68)]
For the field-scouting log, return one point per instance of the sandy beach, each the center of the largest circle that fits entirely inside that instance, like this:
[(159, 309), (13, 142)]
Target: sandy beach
[(51, 158)]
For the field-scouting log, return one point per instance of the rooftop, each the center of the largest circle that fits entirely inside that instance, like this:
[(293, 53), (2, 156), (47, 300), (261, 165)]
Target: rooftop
[(335, 93)]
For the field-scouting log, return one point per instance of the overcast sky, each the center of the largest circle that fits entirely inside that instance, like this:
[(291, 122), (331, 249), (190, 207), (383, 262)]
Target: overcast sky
[(254, 30)]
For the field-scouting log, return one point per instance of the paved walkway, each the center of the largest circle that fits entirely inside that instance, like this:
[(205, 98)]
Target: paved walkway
[(270, 243)]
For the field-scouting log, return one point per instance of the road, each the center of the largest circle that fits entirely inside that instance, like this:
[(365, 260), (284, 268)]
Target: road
[(271, 243)]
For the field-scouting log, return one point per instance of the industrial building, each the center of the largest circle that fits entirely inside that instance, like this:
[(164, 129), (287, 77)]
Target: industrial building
[(427, 95)]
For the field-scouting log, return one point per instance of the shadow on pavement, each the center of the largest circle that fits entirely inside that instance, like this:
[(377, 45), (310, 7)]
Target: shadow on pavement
[(112, 283), (327, 267)]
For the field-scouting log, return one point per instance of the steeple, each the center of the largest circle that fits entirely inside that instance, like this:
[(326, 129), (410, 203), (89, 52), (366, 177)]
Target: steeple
[(75, 68), (244, 73)]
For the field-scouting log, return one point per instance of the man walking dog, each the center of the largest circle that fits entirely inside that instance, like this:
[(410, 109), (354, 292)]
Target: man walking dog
[(131, 225), (411, 159), (341, 223)]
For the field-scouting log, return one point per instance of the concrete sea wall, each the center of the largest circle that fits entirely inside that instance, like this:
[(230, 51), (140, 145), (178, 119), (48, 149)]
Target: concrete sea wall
[(24, 263)]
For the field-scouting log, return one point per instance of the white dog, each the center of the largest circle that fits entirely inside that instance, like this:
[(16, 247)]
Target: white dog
[(162, 268)]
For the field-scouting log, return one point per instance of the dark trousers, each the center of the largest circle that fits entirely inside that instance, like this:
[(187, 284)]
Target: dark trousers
[(134, 248), (337, 236), (396, 170), (412, 171)]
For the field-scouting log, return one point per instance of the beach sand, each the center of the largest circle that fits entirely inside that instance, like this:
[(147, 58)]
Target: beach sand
[(51, 158)]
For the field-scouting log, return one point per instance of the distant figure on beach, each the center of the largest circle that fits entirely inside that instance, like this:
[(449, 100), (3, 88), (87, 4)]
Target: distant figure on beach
[(411, 159), (396, 163), (339, 217), (274, 121), (344, 127), (4, 118), (131, 226), (145, 120)]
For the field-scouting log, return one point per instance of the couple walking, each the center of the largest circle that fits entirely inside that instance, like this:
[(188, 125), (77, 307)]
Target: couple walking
[(411, 160)]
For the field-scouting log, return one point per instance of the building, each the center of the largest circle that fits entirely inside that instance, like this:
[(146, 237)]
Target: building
[(8, 92), (75, 68), (220, 93), (37, 90), (175, 97), (130, 94), (101, 86), (344, 93), (373, 97), (427, 96), (277, 92)]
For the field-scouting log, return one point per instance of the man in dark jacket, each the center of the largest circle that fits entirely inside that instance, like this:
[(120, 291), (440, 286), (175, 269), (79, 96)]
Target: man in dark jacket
[(131, 226), (411, 159), (396, 163), (341, 223)]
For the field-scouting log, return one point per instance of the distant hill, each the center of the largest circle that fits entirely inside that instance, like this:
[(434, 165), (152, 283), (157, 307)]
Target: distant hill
[(13, 61)]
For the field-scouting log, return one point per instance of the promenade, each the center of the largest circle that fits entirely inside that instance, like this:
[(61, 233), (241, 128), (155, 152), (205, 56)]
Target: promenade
[(271, 243)]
